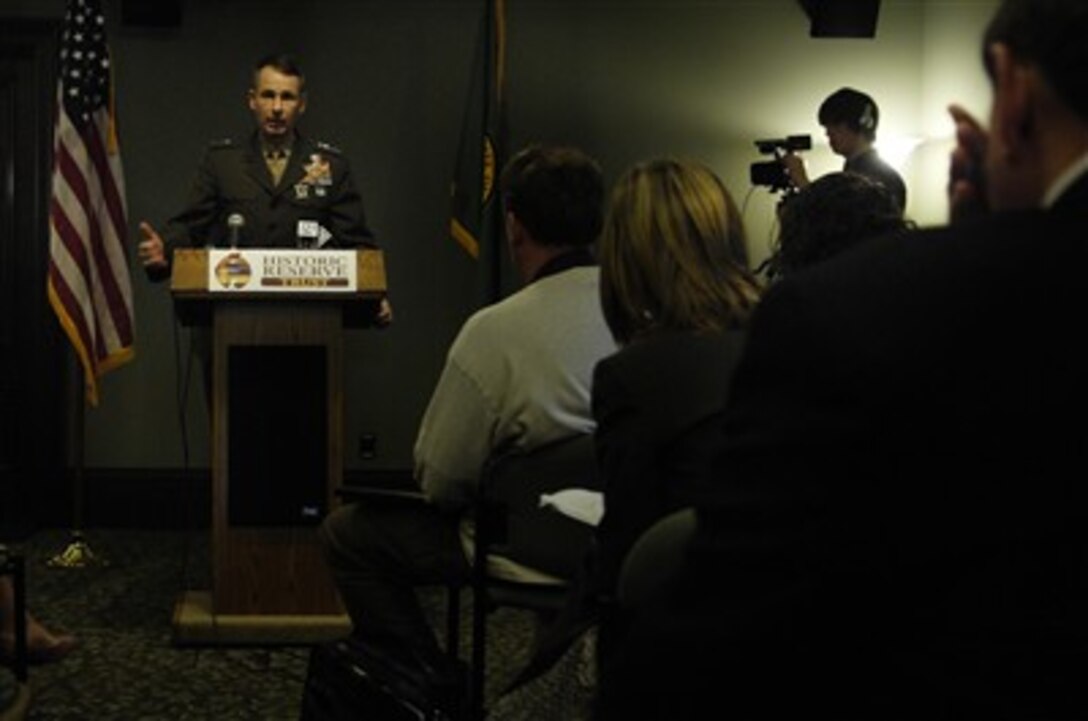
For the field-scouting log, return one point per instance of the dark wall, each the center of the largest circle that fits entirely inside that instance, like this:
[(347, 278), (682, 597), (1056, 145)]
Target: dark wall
[(625, 79)]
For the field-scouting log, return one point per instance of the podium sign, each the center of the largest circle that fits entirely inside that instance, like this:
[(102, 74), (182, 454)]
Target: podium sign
[(282, 271), (277, 433), (191, 273)]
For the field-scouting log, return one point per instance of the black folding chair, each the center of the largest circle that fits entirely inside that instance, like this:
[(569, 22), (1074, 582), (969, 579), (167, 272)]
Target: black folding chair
[(511, 524)]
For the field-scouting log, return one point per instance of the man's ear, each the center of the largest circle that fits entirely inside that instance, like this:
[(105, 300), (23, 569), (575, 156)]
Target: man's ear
[(1013, 111), (514, 228), (251, 99)]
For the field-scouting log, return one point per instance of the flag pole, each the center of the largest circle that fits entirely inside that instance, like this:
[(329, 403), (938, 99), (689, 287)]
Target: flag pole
[(78, 553)]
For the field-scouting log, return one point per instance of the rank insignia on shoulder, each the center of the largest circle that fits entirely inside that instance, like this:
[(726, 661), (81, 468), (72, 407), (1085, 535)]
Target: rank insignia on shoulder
[(221, 143), (328, 147)]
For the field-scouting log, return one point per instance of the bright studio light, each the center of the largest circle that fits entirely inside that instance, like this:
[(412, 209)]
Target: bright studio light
[(895, 150)]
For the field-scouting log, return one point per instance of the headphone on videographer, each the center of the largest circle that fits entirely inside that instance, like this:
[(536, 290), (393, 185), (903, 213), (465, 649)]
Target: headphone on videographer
[(852, 108)]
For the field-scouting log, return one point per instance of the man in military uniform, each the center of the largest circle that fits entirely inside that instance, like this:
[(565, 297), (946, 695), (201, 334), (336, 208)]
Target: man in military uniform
[(276, 189)]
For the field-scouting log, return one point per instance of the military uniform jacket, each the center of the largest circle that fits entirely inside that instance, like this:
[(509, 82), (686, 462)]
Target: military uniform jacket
[(233, 177)]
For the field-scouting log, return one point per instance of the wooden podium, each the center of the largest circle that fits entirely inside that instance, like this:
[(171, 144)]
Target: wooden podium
[(277, 450)]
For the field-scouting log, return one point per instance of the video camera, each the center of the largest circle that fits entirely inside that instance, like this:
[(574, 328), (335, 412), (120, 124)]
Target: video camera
[(771, 172)]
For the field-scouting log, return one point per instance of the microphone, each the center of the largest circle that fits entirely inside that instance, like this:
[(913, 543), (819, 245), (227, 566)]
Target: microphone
[(235, 223)]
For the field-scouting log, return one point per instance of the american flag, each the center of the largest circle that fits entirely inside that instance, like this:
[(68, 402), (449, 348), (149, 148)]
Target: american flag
[(89, 284)]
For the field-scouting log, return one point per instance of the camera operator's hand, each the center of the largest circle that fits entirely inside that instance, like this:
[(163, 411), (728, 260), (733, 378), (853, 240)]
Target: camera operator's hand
[(966, 177), (795, 169)]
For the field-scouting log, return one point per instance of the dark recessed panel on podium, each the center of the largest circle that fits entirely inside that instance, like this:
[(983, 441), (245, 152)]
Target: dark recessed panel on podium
[(278, 460)]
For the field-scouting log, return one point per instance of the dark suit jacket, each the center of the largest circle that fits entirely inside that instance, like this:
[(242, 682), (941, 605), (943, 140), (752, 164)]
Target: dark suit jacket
[(317, 185), (658, 404), (901, 530)]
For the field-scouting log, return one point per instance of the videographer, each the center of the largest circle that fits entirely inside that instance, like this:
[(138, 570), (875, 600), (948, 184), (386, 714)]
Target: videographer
[(850, 118)]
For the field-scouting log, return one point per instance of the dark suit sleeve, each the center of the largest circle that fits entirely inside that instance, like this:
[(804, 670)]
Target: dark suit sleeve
[(626, 458)]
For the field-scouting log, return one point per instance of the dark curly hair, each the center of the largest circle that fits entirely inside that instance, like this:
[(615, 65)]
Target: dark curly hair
[(833, 213)]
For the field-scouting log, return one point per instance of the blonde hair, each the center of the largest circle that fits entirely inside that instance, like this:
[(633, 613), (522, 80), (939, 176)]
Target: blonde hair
[(673, 254)]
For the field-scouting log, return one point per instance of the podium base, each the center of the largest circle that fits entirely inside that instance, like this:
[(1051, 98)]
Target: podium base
[(77, 554), (195, 624)]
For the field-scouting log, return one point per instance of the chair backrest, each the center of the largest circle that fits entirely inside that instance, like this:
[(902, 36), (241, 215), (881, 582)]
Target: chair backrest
[(510, 519), (655, 557)]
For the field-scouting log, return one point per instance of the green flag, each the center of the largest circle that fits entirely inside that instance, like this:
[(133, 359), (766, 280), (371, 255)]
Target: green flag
[(476, 214)]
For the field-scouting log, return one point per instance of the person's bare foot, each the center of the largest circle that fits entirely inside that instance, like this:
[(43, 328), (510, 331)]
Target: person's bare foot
[(42, 645)]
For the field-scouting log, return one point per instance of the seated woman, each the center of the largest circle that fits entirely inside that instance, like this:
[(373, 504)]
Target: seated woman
[(677, 296), (42, 645), (825, 219), (830, 215)]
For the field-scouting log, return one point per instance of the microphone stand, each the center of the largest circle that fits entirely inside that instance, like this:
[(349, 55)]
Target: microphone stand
[(78, 553)]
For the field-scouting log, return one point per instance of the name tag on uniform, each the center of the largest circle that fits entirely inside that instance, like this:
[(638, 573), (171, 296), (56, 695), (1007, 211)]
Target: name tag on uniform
[(308, 232)]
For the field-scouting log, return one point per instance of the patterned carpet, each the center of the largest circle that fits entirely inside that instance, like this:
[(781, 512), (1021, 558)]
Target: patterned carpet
[(127, 669)]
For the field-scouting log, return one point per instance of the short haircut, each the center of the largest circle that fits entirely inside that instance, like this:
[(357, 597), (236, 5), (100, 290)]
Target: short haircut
[(556, 193), (833, 213), (1052, 35), (281, 62), (852, 108), (673, 254)]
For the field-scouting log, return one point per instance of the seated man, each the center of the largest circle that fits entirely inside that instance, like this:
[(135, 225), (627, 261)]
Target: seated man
[(518, 375)]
